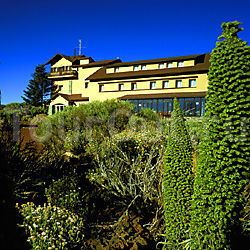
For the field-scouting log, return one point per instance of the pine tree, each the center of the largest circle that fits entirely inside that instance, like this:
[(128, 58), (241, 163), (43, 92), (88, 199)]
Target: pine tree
[(178, 180), (39, 89), (223, 164)]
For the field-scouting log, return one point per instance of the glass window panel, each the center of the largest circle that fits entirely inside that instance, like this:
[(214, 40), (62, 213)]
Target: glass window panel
[(202, 106), (160, 105), (197, 106), (161, 66), (165, 84), (154, 105), (181, 101), (178, 83), (180, 64), (170, 65), (192, 108), (186, 108), (192, 83), (170, 107)]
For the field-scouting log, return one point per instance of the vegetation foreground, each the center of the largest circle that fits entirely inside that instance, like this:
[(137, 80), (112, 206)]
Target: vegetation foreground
[(109, 178)]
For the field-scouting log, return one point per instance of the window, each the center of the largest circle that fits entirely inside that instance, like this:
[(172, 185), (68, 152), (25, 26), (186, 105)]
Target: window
[(178, 83), (144, 67), (70, 87), (68, 68), (161, 66), (86, 85), (121, 86), (153, 85), (57, 108), (165, 84), (136, 68), (192, 83), (133, 85), (60, 88), (101, 88), (170, 65), (117, 69), (55, 69), (180, 64)]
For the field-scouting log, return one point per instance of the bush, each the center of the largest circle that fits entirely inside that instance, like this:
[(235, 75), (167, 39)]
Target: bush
[(51, 227), (149, 114), (223, 165), (178, 180), (65, 193)]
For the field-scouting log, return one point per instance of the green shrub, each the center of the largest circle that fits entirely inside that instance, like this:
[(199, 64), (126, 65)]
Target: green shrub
[(178, 180), (149, 114), (223, 164), (65, 193), (51, 227), (128, 165)]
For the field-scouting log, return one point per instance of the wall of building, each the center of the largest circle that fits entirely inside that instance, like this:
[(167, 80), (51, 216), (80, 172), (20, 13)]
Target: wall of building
[(143, 86)]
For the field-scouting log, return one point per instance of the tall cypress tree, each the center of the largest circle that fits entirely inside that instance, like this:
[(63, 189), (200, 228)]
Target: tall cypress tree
[(178, 180), (223, 164), (39, 89)]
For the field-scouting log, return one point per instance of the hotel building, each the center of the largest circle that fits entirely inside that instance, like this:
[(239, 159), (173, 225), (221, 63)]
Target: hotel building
[(146, 83)]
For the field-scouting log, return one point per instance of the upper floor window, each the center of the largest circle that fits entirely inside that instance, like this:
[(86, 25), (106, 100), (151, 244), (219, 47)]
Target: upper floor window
[(70, 87), (136, 68), (68, 68), (60, 88), (117, 69), (165, 84), (161, 66), (192, 83), (55, 69), (180, 64), (101, 88), (86, 85), (144, 67), (121, 86), (170, 65), (152, 85), (133, 85), (178, 83)]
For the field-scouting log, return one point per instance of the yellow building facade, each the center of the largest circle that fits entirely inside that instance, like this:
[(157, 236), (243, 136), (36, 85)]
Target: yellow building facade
[(146, 83)]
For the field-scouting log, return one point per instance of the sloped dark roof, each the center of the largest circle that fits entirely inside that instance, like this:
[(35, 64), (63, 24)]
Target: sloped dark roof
[(71, 98), (201, 65), (159, 60), (69, 58), (164, 95), (99, 63)]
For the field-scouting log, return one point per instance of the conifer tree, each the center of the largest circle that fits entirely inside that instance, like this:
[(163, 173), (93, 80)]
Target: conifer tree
[(39, 89), (223, 164), (178, 180)]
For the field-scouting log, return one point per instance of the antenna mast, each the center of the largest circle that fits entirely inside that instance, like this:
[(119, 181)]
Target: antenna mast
[(80, 47)]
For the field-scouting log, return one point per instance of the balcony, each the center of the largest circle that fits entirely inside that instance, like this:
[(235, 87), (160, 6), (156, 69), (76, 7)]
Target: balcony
[(63, 74)]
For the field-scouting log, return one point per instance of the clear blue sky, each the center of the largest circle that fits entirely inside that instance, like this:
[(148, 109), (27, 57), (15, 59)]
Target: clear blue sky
[(31, 32)]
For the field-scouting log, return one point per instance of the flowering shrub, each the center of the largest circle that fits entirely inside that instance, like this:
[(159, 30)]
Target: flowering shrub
[(65, 193), (129, 165), (51, 227)]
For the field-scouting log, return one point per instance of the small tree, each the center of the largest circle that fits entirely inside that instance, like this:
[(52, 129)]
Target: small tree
[(39, 89), (178, 180), (224, 153)]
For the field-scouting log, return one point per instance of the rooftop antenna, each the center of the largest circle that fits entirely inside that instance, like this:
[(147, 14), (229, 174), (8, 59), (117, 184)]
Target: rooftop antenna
[(80, 47)]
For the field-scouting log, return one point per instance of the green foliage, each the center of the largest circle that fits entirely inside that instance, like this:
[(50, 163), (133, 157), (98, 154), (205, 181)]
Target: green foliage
[(149, 114), (11, 236), (51, 227), (65, 193), (224, 153), (128, 165), (178, 180), (39, 89)]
